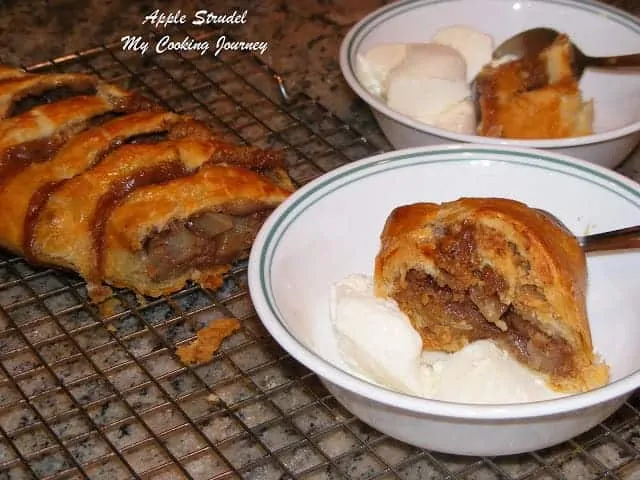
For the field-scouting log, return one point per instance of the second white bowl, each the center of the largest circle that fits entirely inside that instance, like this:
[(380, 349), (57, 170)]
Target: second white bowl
[(330, 228), (596, 28)]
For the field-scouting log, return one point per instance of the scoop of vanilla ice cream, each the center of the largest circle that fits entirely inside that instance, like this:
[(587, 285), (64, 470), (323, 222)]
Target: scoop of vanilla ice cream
[(374, 337), (482, 373), (373, 67), (425, 98), (429, 81), (476, 47), (431, 60), (459, 117), (430, 86)]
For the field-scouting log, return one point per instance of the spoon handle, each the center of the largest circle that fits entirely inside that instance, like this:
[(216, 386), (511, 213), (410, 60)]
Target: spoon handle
[(624, 238), (632, 60)]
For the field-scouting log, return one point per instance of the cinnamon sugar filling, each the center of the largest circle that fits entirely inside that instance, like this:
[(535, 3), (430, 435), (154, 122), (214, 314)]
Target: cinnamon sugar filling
[(464, 301), (204, 240)]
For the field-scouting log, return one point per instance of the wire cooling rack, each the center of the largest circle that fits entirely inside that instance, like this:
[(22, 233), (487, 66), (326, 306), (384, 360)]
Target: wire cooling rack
[(83, 395)]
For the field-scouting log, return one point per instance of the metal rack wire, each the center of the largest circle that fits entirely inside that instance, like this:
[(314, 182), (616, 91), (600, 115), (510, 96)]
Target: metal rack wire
[(85, 394)]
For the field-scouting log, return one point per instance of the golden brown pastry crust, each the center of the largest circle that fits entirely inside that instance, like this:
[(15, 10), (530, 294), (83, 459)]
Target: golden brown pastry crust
[(503, 251), (45, 120), (63, 233), (77, 155), (144, 209), (136, 218), (24, 85), (10, 72), (74, 150)]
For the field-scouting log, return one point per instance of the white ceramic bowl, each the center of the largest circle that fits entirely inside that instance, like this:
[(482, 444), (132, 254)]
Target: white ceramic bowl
[(596, 28), (330, 228)]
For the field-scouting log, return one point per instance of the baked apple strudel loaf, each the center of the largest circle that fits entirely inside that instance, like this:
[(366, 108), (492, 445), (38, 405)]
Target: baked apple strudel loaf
[(102, 181), (490, 268)]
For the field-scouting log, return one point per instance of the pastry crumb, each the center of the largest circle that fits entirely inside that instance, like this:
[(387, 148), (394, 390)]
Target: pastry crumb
[(208, 341), (213, 398), (141, 299), (111, 328), (214, 277), (108, 307), (98, 292)]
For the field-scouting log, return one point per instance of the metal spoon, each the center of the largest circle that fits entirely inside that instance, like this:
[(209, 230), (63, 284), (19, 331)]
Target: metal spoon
[(528, 43), (622, 239), (531, 42)]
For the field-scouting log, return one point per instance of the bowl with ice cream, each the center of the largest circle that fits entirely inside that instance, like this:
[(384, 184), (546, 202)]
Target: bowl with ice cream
[(438, 306), (413, 63)]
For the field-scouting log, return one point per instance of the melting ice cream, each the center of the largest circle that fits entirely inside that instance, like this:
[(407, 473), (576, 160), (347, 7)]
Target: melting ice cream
[(377, 342)]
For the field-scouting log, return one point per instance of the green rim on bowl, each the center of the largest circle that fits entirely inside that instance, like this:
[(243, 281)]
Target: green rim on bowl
[(269, 237), (399, 8)]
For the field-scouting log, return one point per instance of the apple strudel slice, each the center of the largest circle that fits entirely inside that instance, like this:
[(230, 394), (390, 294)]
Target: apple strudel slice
[(490, 268)]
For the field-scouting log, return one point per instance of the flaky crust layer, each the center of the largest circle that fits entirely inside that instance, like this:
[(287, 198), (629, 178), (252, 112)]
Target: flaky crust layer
[(146, 208), (63, 234), (525, 248)]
